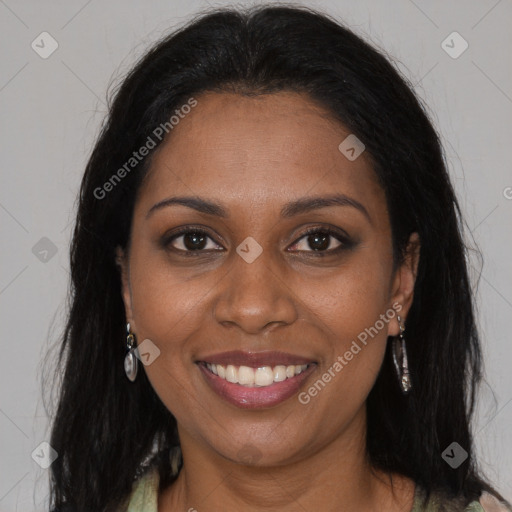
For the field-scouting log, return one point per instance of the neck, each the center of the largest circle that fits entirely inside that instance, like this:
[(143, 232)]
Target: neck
[(337, 477)]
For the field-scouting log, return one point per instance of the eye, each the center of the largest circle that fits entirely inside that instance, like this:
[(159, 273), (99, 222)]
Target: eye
[(322, 241), (190, 239)]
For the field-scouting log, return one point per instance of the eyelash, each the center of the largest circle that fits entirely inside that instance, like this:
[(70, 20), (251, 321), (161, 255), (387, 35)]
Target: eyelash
[(340, 236)]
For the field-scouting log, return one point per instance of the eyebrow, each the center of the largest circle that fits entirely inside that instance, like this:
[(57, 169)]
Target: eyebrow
[(291, 209)]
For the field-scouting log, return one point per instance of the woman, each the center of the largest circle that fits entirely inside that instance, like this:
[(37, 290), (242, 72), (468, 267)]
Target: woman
[(270, 306)]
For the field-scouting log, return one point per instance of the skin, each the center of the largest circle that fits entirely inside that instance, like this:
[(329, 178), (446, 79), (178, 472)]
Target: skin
[(252, 155)]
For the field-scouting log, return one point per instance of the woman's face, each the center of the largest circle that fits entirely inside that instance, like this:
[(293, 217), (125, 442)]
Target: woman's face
[(257, 283)]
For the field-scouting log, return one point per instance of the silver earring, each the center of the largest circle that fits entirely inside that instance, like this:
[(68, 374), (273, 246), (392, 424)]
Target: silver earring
[(175, 458), (131, 365), (400, 360)]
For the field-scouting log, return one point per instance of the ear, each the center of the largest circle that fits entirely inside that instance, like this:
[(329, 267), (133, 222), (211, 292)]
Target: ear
[(122, 264), (403, 283)]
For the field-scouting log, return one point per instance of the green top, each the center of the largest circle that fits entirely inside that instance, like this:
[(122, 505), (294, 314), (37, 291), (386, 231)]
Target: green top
[(144, 498)]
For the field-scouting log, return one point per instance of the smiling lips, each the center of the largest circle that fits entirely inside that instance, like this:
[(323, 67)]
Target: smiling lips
[(255, 377), (255, 380)]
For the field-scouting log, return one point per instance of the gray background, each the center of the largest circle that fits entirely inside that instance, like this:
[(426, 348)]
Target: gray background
[(51, 110)]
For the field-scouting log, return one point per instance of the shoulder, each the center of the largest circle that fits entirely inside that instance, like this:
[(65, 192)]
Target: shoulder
[(143, 498), (440, 502), (490, 503)]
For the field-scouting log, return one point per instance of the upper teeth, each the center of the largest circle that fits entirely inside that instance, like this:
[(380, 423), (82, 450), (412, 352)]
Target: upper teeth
[(252, 377)]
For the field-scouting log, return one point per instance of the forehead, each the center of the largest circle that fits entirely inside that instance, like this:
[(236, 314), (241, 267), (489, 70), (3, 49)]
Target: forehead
[(249, 150)]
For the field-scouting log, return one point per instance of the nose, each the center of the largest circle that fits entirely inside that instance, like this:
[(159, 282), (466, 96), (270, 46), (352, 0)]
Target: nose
[(253, 296)]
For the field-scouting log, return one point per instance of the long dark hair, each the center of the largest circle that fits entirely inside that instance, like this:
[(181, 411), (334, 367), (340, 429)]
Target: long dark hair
[(104, 426)]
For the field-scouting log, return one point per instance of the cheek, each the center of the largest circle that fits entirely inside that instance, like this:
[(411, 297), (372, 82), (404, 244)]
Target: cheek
[(352, 311), (169, 311), (351, 299), (164, 303)]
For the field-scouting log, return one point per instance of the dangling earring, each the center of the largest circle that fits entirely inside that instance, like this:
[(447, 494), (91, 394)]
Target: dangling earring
[(131, 364), (400, 360), (175, 458)]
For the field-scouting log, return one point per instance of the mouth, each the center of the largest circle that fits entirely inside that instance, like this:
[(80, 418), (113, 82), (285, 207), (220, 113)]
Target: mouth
[(255, 380), (262, 376)]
